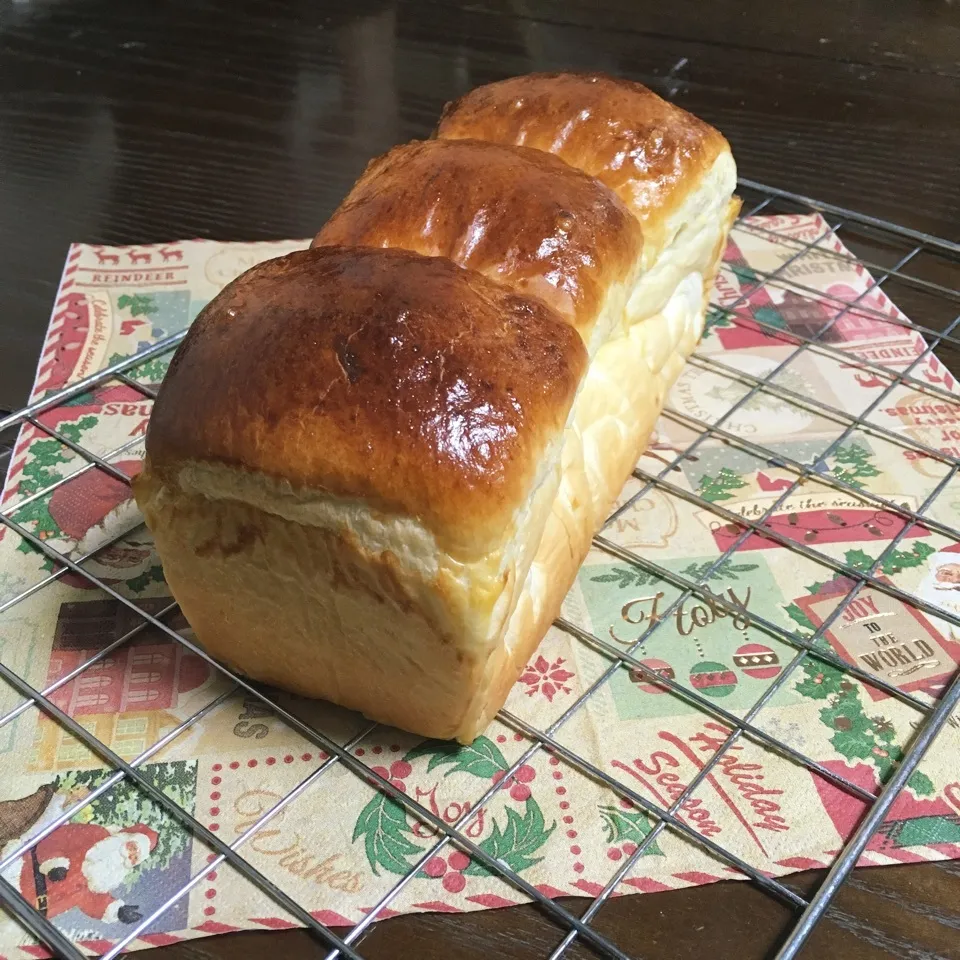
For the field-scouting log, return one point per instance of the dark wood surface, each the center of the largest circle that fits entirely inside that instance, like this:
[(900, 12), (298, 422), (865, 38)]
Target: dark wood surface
[(147, 121)]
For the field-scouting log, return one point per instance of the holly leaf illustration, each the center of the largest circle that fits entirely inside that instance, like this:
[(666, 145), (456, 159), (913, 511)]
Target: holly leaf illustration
[(796, 614), (383, 826), (858, 559), (516, 843), (921, 784), (621, 826), (139, 304), (716, 317), (482, 758)]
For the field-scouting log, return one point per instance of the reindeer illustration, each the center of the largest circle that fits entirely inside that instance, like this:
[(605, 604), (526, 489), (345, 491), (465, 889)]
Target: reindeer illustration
[(104, 258), (142, 257), (169, 254)]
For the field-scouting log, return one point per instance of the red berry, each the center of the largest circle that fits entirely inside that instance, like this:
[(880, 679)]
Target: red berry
[(400, 769), (629, 848), (525, 774), (435, 867), (454, 882), (614, 854), (458, 860), (520, 791), (381, 772), (400, 785), (498, 776)]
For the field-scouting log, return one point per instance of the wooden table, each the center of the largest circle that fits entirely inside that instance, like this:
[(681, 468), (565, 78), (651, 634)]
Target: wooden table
[(140, 121)]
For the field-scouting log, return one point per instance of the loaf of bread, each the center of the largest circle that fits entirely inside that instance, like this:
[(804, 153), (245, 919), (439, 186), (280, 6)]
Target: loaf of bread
[(375, 466)]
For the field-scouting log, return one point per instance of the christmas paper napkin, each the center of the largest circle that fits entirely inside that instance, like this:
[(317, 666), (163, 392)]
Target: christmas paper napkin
[(338, 846)]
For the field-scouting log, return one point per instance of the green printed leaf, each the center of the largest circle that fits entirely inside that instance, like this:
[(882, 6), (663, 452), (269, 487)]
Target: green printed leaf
[(517, 842), (482, 758), (383, 825), (139, 304), (621, 826)]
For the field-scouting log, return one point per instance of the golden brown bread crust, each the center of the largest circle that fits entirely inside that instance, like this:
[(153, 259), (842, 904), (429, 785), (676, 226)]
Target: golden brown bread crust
[(517, 215), (648, 151), (383, 376)]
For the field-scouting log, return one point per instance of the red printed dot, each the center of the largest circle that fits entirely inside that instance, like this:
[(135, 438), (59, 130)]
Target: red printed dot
[(211, 894), (518, 737), (501, 738), (561, 791), (234, 765), (564, 804), (209, 911), (288, 758), (214, 811), (614, 854), (454, 882), (629, 848), (217, 766), (215, 795), (306, 756), (216, 781), (568, 819), (557, 775), (554, 761), (626, 804), (458, 860), (270, 761), (400, 769), (323, 755), (575, 850), (214, 827), (211, 857), (572, 834), (212, 875), (578, 867), (359, 751), (251, 763), (378, 749), (435, 867)]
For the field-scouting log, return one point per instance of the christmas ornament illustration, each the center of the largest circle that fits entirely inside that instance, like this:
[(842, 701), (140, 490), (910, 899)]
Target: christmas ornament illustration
[(757, 661), (712, 678), (643, 681)]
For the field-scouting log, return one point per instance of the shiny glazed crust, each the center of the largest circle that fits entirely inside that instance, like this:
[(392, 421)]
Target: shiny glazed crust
[(519, 216), (332, 543), (390, 378), (648, 151)]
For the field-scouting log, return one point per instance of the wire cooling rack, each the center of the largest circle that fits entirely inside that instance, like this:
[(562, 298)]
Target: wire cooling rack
[(920, 266)]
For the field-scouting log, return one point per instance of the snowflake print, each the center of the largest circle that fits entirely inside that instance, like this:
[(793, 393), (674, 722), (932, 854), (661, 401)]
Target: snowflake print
[(547, 678)]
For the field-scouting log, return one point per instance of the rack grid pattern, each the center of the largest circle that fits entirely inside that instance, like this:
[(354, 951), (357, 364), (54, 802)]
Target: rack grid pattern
[(902, 250)]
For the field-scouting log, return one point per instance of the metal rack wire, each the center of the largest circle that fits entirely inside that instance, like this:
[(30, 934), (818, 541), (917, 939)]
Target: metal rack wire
[(910, 245)]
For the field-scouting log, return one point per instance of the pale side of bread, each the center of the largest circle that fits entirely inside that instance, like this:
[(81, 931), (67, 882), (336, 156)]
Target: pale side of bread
[(332, 598)]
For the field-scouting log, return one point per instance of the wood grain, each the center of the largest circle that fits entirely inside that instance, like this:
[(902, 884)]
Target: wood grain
[(236, 120)]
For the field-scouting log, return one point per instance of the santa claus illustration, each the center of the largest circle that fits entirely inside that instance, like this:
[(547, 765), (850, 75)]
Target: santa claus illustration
[(941, 586), (81, 865)]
